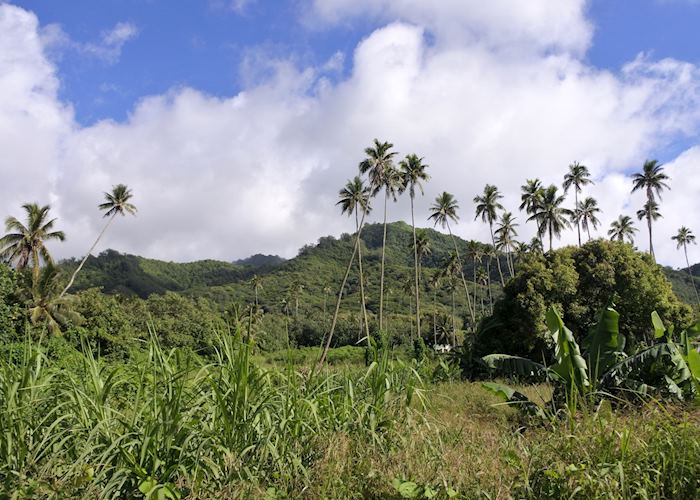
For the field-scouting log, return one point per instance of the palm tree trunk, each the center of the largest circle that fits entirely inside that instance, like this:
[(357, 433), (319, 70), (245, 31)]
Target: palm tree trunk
[(434, 315), (550, 237), (362, 277), (340, 296), (461, 272), (578, 226), (475, 289), (588, 230), (651, 243), (82, 263), (488, 283), (415, 263), (35, 266), (498, 261), (692, 279), (454, 323), (381, 279)]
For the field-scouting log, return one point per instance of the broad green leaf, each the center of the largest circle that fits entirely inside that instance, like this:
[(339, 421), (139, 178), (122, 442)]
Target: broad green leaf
[(571, 368), (605, 342), (515, 365), (659, 328)]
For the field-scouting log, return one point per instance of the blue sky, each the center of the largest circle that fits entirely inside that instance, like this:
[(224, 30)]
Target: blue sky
[(235, 122), (201, 43)]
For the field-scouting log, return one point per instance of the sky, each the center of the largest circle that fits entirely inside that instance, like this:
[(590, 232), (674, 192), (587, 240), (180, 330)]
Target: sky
[(236, 122)]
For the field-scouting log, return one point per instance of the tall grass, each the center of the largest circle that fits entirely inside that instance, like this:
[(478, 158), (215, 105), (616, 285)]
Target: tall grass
[(174, 424)]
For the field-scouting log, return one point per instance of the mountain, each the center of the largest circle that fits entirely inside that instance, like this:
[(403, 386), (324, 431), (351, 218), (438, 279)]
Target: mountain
[(682, 283), (259, 260)]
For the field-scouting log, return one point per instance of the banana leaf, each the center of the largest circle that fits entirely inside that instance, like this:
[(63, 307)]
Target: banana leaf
[(515, 366)]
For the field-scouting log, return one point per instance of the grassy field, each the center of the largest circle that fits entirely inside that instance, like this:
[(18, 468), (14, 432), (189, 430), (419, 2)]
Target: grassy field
[(172, 425)]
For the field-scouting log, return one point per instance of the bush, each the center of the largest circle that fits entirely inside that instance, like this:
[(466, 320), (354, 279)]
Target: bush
[(580, 282)]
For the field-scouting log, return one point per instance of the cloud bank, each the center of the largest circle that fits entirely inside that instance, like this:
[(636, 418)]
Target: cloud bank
[(486, 95)]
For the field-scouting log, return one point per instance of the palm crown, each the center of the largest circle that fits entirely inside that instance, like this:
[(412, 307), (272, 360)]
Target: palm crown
[(577, 177), (117, 202), (355, 194), (487, 204), (684, 237), (25, 243), (444, 210), (623, 228), (413, 174), (379, 166), (652, 179)]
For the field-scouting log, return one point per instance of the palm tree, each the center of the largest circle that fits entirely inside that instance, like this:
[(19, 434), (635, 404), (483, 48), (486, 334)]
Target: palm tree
[(379, 165), (577, 177), (46, 306), (552, 217), (530, 199), (622, 228), (442, 211), (585, 213), (326, 292), (652, 179), (650, 212), (474, 251), (486, 206), (296, 289), (491, 254), (257, 283), (505, 233), (435, 283), (684, 238), (449, 274), (413, 173), (355, 198), (116, 203), (25, 243)]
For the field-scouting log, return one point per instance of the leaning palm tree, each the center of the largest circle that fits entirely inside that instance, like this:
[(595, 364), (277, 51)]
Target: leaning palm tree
[(530, 198), (650, 212), (486, 207), (383, 176), (442, 212), (552, 216), (116, 203), (355, 198), (621, 229), (505, 235), (26, 243), (413, 174), (577, 177), (586, 213), (683, 238), (652, 180)]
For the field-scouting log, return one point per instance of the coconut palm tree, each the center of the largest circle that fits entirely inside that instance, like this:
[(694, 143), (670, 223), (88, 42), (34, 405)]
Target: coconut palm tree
[(46, 306), (474, 251), (116, 203), (490, 254), (650, 212), (449, 273), (486, 207), (257, 283), (577, 177), (530, 198), (505, 234), (683, 238), (26, 243), (652, 180), (444, 210), (435, 282), (355, 198), (553, 218), (296, 288), (585, 213), (422, 247), (621, 229), (383, 176), (413, 174)]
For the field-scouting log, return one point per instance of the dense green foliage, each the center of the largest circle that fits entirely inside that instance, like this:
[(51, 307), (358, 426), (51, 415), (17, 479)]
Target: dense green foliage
[(580, 282)]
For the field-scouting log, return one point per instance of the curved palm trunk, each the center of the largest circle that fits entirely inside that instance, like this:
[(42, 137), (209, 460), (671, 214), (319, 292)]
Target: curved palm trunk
[(415, 263), (82, 263), (381, 279), (651, 243), (434, 315), (550, 236), (488, 283), (35, 266), (588, 230), (454, 322), (362, 277), (692, 279), (475, 288), (461, 272), (498, 261), (340, 296)]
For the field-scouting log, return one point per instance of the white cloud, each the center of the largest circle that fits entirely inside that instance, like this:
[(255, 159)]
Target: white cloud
[(108, 49), (259, 171)]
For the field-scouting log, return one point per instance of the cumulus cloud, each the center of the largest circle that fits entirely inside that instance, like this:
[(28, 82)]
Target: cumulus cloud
[(259, 171)]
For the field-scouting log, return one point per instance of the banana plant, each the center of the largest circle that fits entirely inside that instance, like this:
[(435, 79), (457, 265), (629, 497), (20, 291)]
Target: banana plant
[(666, 367)]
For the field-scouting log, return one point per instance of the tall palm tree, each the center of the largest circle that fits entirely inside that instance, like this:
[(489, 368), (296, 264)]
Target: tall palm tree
[(422, 247), (116, 203), (355, 198), (257, 283), (652, 180), (650, 212), (621, 229), (444, 210), (505, 234), (379, 165), (486, 207), (683, 238), (474, 251), (413, 174), (530, 199), (449, 273), (586, 213), (26, 243), (552, 217), (435, 283), (577, 177)]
